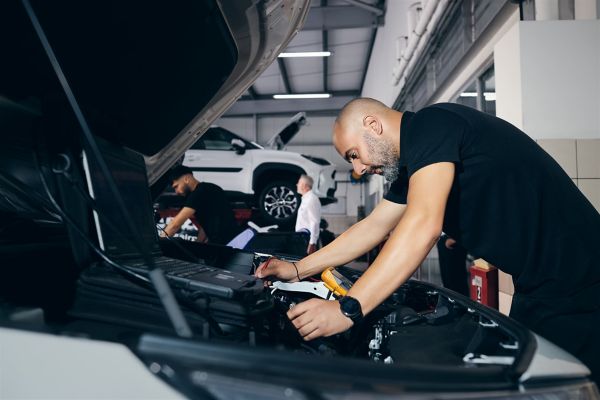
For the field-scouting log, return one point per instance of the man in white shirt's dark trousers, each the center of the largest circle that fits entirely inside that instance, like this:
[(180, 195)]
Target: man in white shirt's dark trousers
[(309, 213)]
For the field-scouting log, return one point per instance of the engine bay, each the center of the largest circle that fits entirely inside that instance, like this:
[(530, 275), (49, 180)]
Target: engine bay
[(418, 324)]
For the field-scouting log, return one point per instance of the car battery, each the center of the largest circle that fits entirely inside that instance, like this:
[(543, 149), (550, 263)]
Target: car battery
[(484, 283)]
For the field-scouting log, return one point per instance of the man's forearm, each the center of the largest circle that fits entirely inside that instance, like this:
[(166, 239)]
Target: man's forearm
[(172, 229), (356, 241), (403, 253)]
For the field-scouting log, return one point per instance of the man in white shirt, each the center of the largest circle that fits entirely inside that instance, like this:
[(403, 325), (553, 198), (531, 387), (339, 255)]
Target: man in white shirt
[(309, 213)]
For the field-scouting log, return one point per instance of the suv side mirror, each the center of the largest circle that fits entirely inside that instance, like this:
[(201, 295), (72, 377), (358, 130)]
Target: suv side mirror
[(239, 146)]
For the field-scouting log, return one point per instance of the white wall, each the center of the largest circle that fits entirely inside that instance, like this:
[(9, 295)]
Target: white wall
[(507, 70), (378, 81), (548, 78), (561, 77)]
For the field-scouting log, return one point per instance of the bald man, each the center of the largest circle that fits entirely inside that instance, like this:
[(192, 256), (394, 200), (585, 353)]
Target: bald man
[(486, 184)]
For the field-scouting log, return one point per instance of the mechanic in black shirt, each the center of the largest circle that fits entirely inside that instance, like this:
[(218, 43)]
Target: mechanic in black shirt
[(486, 184), (208, 203)]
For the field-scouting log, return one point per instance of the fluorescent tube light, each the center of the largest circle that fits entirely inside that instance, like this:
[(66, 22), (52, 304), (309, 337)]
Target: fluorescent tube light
[(489, 96), (302, 96), (306, 54)]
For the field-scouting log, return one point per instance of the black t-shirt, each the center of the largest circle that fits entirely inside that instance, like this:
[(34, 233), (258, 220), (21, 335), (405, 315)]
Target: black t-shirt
[(510, 202), (213, 212)]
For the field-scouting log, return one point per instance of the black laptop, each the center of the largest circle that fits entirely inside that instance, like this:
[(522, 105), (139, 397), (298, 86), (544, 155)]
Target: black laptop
[(128, 170)]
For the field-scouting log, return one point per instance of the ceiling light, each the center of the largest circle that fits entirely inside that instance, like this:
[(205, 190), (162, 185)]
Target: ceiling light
[(302, 96), (306, 54), (489, 96)]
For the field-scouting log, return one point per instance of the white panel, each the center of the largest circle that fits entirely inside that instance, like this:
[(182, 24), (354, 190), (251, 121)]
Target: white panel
[(560, 61), (507, 70)]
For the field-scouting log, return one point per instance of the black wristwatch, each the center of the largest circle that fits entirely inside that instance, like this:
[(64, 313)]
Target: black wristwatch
[(351, 308)]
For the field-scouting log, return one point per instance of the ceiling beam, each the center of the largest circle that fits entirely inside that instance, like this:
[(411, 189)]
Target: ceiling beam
[(284, 75), (341, 17), (271, 106)]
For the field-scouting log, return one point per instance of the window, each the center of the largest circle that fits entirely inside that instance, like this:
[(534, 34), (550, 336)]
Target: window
[(481, 93)]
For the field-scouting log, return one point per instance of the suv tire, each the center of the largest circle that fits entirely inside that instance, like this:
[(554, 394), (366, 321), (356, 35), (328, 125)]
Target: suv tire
[(278, 202)]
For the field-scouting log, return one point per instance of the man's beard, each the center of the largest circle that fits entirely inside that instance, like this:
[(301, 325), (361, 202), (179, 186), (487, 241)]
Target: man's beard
[(383, 155), (187, 190)]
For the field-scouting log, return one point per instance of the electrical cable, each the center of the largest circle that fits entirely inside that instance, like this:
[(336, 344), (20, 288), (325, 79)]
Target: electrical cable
[(66, 218)]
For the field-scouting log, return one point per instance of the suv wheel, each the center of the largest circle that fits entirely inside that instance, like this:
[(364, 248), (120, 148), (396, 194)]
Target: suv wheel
[(279, 202)]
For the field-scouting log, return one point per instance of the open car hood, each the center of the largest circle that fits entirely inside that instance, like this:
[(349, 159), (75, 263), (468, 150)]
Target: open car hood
[(151, 76), (288, 132)]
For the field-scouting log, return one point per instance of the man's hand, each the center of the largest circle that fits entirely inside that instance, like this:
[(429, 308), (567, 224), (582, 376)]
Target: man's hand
[(316, 317), (277, 268), (311, 248)]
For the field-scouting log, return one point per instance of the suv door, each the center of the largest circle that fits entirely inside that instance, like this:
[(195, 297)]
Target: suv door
[(214, 159)]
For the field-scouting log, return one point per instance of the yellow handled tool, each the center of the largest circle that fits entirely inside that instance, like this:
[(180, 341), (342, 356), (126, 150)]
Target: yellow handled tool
[(336, 282)]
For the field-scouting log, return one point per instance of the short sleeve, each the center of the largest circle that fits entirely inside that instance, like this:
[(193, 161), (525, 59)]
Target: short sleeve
[(435, 136), (399, 188)]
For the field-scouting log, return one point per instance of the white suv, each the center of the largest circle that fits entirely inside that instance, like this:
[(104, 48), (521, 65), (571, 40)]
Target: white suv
[(265, 178)]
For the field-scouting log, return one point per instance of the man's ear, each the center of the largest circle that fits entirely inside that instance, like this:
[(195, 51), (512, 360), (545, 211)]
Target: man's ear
[(372, 124)]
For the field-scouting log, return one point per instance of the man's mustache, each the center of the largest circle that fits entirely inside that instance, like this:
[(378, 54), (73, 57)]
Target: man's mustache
[(378, 170)]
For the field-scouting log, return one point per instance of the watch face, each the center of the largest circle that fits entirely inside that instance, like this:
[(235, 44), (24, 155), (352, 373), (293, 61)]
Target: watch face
[(350, 306)]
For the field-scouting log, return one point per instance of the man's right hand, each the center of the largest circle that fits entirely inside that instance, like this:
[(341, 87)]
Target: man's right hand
[(278, 269)]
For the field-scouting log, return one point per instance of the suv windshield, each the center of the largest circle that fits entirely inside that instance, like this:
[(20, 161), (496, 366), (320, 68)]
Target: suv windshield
[(217, 138)]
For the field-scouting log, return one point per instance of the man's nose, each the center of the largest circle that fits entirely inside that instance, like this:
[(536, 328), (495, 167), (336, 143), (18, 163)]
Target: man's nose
[(359, 167)]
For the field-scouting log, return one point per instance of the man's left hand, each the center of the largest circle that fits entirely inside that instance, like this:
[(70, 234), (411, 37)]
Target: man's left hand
[(316, 317)]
